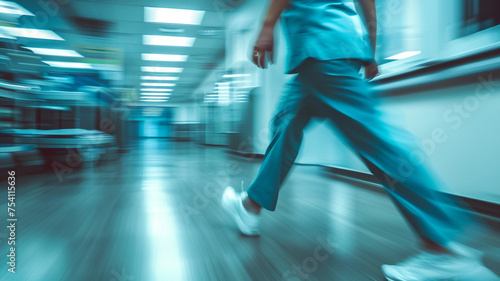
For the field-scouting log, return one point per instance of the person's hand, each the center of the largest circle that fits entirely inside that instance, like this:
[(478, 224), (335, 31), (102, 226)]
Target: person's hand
[(371, 70), (264, 46)]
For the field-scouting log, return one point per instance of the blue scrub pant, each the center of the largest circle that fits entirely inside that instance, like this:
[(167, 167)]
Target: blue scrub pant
[(335, 90)]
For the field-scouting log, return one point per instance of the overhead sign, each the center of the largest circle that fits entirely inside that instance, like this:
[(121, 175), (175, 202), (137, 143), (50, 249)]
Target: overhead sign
[(102, 55)]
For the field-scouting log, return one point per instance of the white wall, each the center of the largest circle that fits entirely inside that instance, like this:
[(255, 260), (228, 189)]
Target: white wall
[(469, 159), (186, 114), (324, 145)]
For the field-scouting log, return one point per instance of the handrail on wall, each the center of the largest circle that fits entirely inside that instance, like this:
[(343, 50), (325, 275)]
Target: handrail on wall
[(465, 70)]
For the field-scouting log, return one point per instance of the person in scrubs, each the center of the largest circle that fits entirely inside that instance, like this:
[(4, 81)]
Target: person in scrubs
[(327, 52)]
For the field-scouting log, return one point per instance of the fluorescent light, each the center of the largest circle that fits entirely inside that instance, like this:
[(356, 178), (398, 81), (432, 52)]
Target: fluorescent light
[(175, 16), (155, 90), (235, 75), (404, 55), (155, 98), (161, 57), (157, 84), (55, 52), (161, 40), (5, 35), (7, 7), (107, 67), (162, 69), (64, 64), (160, 78), (171, 30), (155, 94), (32, 33)]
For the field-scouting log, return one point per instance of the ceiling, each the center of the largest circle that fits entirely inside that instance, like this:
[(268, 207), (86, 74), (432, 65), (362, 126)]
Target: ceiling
[(118, 26)]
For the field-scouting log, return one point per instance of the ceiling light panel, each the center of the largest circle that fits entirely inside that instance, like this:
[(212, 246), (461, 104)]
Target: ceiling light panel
[(161, 69), (155, 97), (166, 93), (162, 57), (155, 90), (163, 100), (162, 40), (155, 94), (63, 64), (160, 78), (5, 35), (55, 52), (7, 7), (32, 33), (175, 16), (157, 84), (171, 30)]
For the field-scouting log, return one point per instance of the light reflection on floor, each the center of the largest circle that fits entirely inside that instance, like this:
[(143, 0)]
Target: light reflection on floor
[(125, 221)]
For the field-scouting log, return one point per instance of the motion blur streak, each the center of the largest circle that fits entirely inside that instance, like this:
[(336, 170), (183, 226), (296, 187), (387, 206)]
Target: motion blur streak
[(124, 121)]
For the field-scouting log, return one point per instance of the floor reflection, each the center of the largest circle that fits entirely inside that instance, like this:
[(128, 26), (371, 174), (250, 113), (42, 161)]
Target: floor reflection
[(126, 220)]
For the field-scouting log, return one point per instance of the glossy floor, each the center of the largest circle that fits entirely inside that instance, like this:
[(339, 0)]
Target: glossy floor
[(154, 214)]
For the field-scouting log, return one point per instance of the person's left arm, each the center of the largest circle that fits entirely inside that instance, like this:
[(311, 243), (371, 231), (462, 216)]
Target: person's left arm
[(265, 41), (369, 14)]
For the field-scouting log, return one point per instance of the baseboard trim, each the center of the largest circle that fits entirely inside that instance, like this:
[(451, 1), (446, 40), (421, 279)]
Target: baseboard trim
[(484, 208), (250, 155)]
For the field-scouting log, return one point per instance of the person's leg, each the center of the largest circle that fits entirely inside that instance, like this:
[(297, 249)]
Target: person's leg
[(386, 149), (294, 113)]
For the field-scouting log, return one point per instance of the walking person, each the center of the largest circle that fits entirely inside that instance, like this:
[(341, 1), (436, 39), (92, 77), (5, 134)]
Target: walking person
[(327, 53)]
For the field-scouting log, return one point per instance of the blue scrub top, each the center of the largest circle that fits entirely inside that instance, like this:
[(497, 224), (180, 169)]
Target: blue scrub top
[(323, 30)]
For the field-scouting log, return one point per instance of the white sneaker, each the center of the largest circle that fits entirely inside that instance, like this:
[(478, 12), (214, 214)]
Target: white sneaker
[(248, 223), (439, 267)]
